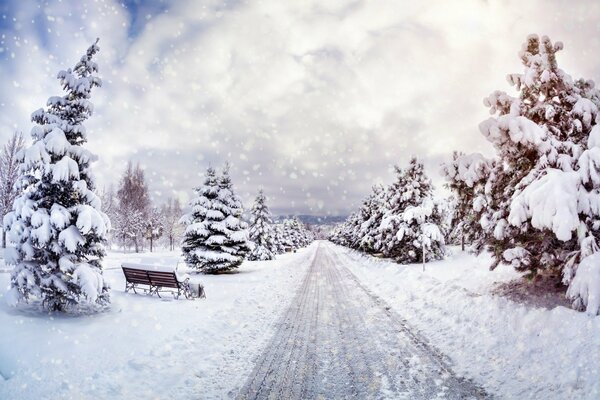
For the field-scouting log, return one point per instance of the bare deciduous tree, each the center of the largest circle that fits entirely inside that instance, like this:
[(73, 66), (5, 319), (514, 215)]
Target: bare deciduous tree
[(173, 230), (133, 207), (9, 174)]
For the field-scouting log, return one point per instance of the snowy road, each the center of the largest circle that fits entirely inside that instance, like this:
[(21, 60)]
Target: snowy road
[(337, 340)]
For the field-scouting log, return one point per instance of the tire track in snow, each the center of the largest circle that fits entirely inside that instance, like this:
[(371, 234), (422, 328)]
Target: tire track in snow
[(339, 340)]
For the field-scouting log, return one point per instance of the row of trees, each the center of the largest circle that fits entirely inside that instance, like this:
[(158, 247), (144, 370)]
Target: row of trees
[(401, 221), (536, 203), (216, 237), (269, 238), (59, 225), (135, 220)]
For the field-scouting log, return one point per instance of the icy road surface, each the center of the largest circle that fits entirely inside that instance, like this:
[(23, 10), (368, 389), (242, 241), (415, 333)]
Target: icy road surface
[(338, 340)]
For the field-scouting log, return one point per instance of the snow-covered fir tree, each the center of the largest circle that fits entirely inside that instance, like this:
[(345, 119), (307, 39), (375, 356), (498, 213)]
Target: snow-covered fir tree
[(57, 224), (237, 242), (215, 238), (466, 177), (541, 200), (397, 222), (280, 238), (345, 234), (411, 220), (296, 234), (262, 231), (371, 213)]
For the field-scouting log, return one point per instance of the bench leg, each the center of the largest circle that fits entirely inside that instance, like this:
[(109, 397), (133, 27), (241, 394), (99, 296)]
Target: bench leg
[(130, 286)]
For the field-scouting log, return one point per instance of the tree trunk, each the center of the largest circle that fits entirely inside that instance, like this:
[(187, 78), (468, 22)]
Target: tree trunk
[(462, 243), (150, 243)]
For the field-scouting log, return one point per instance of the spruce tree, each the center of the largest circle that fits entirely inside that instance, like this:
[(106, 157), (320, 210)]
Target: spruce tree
[(235, 230), (411, 221), (466, 177), (215, 239), (57, 224), (296, 234), (280, 238), (262, 232), (540, 201), (371, 214), (540, 207)]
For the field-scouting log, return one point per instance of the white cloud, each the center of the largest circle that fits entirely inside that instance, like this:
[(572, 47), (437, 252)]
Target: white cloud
[(329, 92)]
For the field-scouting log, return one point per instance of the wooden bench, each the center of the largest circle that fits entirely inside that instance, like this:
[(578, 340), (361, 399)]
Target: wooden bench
[(157, 281)]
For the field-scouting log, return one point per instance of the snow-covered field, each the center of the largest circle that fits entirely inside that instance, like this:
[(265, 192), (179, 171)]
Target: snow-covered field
[(513, 351), (145, 347)]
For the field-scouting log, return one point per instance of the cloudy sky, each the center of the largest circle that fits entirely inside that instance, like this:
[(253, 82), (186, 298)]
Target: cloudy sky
[(312, 100)]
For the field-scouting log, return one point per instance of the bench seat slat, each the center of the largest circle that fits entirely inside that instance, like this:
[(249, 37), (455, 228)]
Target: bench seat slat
[(139, 281), (164, 283)]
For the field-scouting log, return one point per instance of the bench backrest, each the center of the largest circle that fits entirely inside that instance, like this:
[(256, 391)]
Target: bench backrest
[(135, 275), (163, 279), (149, 277)]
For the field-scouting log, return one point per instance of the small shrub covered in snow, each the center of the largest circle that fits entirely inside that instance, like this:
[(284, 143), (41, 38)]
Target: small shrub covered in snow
[(56, 223)]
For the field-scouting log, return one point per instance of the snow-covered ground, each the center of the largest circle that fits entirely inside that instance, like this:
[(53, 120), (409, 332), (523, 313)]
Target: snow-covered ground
[(145, 347), (513, 351)]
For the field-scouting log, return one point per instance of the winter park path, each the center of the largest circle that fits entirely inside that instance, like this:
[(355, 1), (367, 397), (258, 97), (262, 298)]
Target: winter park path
[(338, 340)]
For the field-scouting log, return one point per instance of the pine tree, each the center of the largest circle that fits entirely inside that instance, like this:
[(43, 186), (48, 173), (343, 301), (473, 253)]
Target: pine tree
[(280, 238), (236, 229), (466, 176), (57, 224), (215, 239), (542, 139), (541, 203), (295, 234), (411, 220), (262, 232), (369, 239)]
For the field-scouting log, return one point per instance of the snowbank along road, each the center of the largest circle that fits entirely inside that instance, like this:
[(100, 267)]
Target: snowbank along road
[(338, 340)]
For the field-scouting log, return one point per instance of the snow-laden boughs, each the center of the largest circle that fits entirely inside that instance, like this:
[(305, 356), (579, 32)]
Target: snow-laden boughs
[(368, 236), (262, 231), (466, 176), (398, 222), (57, 226), (411, 220), (541, 199), (299, 236), (215, 238)]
